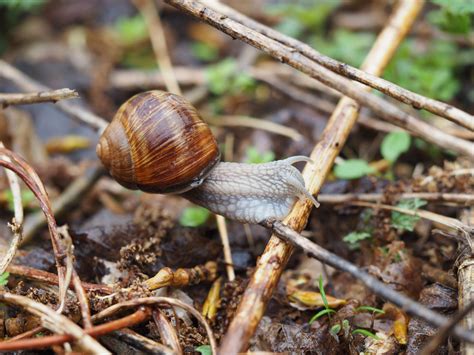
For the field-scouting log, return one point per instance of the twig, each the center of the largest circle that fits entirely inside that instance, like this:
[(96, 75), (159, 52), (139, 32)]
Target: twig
[(47, 341), (37, 97), (73, 192), (163, 301), (52, 279), (378, 287), (25, 83), (417, 101), (273, 260), (167, 332), (245, 121), (460, 199), (229, 265), (142, 343), (380, 106), (56, 322), (436, 341), (465, 273), (158, 40), (17, 223)]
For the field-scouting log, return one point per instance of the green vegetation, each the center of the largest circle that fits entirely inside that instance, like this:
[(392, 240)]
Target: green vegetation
[(204, 350), (395, 144), (353, 169), (225, 78), (4, 278), (194, 216), (404, 222), (204, 51), (327, 310), (454, 16), (353, 239)]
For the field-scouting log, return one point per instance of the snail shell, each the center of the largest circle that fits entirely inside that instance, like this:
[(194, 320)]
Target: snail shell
[(158, 143)]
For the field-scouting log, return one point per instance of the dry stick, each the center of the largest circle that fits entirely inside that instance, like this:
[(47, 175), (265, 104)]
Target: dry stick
[(417, 101), (272, 262), (380, 106), (37, 97), (17, 223), (158, 41), (142, 343), (25, 83), (460, 199), (167, 332), (162, 301), (56, 322), (47, 341), (466, 286), (221, 226), (410, 306)]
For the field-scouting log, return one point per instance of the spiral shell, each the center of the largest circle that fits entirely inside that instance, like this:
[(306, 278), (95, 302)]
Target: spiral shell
[(157, 143)]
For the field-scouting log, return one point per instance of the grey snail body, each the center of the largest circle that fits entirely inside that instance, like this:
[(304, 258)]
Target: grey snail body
[(158, 143)]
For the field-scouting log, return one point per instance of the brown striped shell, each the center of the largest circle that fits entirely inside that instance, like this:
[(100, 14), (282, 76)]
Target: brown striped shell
[(157, 143)]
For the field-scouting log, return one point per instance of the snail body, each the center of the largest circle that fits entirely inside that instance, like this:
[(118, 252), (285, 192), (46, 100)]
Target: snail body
[(158, 143)]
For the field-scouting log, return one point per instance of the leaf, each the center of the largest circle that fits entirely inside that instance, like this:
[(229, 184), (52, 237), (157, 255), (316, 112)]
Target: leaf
[(395, 144), (312, 299), (131, 29), (323, 293), (4, 278), (194, 216), (353, 239), (403, 221), (366, 333), (204, 51), (204, 349), (353, 169), (225, 77), (370, 309), (321, 313)]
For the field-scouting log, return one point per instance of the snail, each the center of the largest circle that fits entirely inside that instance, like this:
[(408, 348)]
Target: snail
[(158, 143)]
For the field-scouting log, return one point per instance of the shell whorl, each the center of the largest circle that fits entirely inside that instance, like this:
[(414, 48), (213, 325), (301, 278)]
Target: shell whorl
[(158, 143)]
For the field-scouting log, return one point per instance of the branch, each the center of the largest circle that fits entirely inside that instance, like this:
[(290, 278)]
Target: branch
[(25, 83), (461, 199), (380, 106), (408, 97), (411, 307), (37, 97)]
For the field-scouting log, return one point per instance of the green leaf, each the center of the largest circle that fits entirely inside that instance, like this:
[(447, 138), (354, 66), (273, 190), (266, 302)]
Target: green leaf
[(321, 313), (204, 349), (335, 329), (254, 156), (395, 144), (403, 221), (194, 216), (322, 292), (451, 22), (456, 6), (353, 169), (4, 278), (224, 77), (27, 196), (131, 29), (370, 309), (205, 52), (353, 239), (365, 333)]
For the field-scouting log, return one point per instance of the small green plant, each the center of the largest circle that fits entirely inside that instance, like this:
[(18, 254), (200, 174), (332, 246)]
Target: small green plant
[(4, 278), (254, 156), (370, 309), (395, 144), (353, 239), (327, 310), (366, 333), (453, 16), (204, 349), (194, 216), (204, 51), (224, 77), (27, 197), (131, 29), (353, 169), (404, 222)]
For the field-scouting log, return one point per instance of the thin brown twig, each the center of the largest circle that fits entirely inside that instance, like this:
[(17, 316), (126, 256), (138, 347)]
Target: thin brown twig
[(167, 332), (55, 322), (52, 279), (158, 40), (229, 266), (17, 222), (37, 97), (26, 83), (453, 198), (401, 94), (411, 307), (380, 106), (272, 262), (38, 343), (163, 301)]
